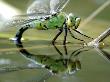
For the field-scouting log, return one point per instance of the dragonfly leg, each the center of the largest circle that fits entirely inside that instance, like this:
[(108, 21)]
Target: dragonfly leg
[(83, 34), (65, 36), (74, 36), (54, 39)]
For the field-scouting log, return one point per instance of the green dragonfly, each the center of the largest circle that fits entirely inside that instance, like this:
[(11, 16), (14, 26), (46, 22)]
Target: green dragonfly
[(44, 15)]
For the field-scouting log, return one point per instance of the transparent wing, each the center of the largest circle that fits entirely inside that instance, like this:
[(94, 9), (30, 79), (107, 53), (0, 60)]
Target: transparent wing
[(38, 9), (39, 6), (46, 6), (23, 19), (17, 21), (57, 5)]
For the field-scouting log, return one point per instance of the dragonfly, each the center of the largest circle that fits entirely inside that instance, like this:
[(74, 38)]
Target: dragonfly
[(44, 15)]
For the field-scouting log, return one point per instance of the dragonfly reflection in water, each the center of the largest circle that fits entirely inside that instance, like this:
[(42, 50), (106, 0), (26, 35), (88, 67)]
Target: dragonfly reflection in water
[(66, 64)]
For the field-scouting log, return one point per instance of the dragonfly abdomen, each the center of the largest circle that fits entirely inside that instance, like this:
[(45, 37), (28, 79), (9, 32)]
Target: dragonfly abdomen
[(37, 24)]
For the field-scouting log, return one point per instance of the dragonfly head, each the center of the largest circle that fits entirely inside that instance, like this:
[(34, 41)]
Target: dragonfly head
[(73, 21)]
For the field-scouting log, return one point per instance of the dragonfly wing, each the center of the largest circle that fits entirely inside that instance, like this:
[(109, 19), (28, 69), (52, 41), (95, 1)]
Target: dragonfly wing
[(47, 6), (18, 20), (39, 6), (38, 9), (57, 5)]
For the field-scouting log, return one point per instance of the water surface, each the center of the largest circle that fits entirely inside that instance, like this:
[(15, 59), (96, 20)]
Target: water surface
[(94, 64)]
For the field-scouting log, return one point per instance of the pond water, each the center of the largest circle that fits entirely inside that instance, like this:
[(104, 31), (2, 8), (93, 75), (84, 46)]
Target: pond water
[(70, 63)]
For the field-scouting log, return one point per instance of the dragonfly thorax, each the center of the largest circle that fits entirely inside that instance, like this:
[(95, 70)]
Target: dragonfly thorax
[(53, 21), (73, 21)]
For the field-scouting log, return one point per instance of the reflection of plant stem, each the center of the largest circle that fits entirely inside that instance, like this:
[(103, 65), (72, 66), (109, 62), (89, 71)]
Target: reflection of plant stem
[(104, 54), (100, 38)]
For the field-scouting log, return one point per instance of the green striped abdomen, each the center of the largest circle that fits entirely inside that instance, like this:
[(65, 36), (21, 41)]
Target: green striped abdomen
[(39, 25), (53, 22)]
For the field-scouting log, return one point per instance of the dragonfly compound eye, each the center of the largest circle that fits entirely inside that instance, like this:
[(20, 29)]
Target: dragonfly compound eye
[(78, 20)]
